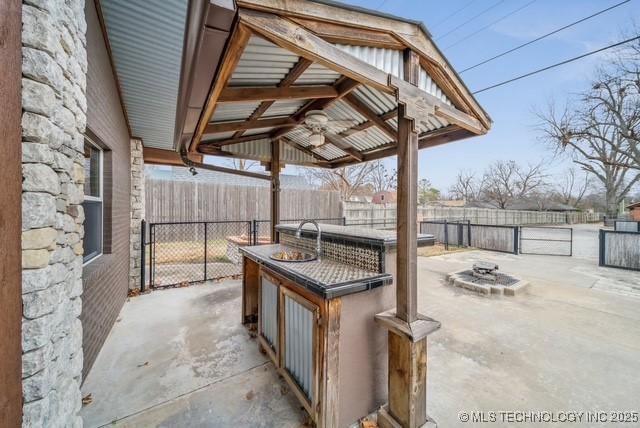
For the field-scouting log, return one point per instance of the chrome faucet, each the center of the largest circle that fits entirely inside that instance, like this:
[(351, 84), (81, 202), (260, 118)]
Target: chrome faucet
[(318, 241)]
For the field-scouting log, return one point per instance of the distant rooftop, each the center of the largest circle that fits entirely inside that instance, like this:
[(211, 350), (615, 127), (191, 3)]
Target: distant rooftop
[(175, 173)]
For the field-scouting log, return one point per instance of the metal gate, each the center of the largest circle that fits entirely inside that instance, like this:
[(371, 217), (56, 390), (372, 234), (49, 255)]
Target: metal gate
[(550, 241)]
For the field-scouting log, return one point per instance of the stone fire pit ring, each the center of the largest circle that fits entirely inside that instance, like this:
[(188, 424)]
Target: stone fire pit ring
[(485, 279)]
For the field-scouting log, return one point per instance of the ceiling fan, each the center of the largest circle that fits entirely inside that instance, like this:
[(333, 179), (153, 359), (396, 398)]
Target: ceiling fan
[(318, 123)]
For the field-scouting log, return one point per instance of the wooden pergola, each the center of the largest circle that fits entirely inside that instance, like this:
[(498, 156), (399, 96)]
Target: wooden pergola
[(250, 76)]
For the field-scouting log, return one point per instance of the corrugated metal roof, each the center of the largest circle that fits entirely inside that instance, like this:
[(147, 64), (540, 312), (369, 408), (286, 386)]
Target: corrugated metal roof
[(388, 60), (428, 85), (329, 152), (340, 110), (376, 100), (234, 111), (217, 137), (146, 43), (262, 64), (368, 139), (317, 74), (283, 108), (261, 150)]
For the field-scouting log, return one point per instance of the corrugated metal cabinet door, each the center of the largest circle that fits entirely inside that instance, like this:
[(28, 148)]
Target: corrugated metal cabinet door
[(300, 320), (268, 325)]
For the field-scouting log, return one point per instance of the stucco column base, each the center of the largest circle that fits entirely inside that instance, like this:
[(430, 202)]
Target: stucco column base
[(407, 405)]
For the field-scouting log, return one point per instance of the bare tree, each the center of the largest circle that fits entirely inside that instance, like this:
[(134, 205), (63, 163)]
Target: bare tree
[(572, 188), (347, 180), (594, 141), (243, 164), (381, 178), (466, 187), (506, 181)]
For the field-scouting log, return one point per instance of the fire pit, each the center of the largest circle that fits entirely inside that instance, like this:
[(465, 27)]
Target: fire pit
[(485, 279)]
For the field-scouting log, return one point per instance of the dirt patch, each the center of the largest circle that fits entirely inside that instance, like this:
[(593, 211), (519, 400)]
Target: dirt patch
[(439, 250)]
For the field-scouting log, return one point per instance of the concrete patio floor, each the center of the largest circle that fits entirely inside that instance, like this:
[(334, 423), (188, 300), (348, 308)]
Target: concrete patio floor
[(571, 342)]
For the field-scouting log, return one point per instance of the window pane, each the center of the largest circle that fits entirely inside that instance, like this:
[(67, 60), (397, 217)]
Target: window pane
[(91, 170), (92, 241)]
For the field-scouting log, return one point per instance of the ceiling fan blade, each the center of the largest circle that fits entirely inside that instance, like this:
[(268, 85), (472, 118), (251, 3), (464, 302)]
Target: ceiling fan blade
[(337, 141)]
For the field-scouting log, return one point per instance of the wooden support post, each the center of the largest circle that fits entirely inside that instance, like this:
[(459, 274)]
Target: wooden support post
[(275, 188), (11, 215), (408, 330), (406, 259)]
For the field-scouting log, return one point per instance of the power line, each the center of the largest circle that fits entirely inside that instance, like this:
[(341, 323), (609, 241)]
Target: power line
[(492, 24), (471, 19), (557, 64), (381, 4), (543, 36), (452, 14)]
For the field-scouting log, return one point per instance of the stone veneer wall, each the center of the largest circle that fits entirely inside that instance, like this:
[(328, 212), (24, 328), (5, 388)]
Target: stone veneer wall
[(54, 102), (137, 211)]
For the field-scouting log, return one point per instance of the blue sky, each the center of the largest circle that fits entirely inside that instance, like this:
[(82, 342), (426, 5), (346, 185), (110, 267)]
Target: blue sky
[(513, 135)]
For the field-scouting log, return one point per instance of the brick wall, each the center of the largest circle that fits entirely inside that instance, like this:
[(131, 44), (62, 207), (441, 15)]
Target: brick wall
[(106, 279)]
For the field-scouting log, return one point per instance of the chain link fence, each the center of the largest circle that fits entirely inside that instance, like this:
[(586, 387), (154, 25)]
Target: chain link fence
[(180, 253)]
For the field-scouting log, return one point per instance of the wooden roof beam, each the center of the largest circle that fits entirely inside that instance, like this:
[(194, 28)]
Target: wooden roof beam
[(296, 71), (243, 125), (236, 45), (299, 40), (249, 94), (343, 87), (321, 161), (364, 110), (232, 140)]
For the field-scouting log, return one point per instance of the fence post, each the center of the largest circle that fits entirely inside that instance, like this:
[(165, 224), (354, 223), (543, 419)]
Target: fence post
[(205, 251), (601, 237), (516, 236), (254, 225), (446, 235), (152, 255), (143, 248), (344, 221)]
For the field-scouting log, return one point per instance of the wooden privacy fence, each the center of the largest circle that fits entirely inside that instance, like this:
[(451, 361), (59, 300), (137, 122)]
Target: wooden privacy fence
[(620, 249), (184, 201), (490, 216)]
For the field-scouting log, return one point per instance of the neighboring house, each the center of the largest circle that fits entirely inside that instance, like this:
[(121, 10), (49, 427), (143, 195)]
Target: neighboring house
[(385, 197), (452, 203), (634, 211)]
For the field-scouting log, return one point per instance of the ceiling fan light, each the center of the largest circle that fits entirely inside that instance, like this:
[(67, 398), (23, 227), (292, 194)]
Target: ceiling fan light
[(316, 140)]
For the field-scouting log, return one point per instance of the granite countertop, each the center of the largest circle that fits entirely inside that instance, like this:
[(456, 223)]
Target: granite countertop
[(387, 238), (326, 277)]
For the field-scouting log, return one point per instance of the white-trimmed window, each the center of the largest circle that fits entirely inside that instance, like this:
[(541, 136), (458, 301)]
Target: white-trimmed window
[(93, 201)]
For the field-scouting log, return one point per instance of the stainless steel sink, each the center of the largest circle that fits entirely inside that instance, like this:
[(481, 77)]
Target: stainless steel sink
[(293, 256)]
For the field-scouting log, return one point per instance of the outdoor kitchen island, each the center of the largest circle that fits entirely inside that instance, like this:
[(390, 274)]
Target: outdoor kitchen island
[(316, 318)]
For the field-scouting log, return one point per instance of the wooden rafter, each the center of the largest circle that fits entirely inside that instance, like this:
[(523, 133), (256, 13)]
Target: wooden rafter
[(364, 110), (368, 124), (243, 125), (296, 71), (220, 143), (303, 42), (343, 86), (234, 51), (242, 95), (320, 159)]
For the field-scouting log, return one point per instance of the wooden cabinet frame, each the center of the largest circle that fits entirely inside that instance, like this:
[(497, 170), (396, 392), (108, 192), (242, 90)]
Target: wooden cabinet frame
[(323, 407)]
